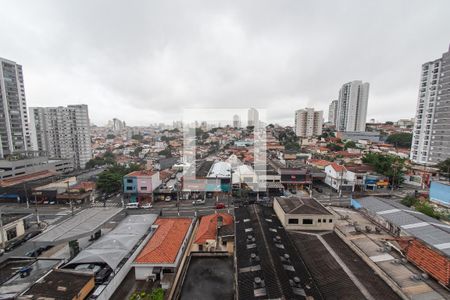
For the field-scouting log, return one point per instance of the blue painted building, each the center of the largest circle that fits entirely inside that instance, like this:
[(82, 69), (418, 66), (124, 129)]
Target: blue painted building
[(440, 193)]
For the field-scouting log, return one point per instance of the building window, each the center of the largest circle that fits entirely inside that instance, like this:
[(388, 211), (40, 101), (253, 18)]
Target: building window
[(292, 221), (130, 180), (129, 188), (143, 188), (330, 220), (307, 221), (319, 220), (324, 220), (11, 233)]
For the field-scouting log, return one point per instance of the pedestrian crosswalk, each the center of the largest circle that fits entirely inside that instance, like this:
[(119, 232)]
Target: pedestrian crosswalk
[(107, 204)]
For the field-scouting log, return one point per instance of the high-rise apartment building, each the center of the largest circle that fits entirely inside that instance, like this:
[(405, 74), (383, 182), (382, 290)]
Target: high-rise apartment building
[(352, 106), (431, 135), (308, 123), (332, 112), (63, 132), (236, 121), (14, 132), (253, 117)]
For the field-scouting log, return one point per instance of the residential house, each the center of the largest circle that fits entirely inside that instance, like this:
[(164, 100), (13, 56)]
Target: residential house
[(138, 186), (160, 258), (336, 177), (215, 233)]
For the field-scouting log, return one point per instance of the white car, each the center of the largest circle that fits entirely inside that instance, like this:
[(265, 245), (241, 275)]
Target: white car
[(168, 199), (146, 205), (198, 202), (132, 205)]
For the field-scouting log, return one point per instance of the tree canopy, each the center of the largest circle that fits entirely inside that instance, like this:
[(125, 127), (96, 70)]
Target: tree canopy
[(108, 158), (292, 146), (110, 180), (388, 165), (334, 147), (444, 167), (137, 137), (402, 139), (350, 144)]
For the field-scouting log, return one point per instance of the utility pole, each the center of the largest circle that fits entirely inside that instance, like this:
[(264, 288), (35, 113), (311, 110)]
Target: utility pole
[(36, 211), (393, 177), (26, 194), (178, 198), (1, 230)]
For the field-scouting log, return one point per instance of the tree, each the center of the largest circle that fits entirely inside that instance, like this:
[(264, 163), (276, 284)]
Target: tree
[(137, 150), (137, 137), (292, 146), (324, 135), (108, 158), (402, 139), (389, 123), (388, 165), (350, 144), (110, 180), (444, 167), (409, 201), (110, 136), (334, 147), (425, 208), (166, 152)]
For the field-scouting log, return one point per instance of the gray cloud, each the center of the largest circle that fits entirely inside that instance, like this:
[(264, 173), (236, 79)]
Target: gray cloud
[(144, 61)]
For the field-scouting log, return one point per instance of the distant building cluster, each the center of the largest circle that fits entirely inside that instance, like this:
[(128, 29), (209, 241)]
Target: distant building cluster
[(42, 142), (308, 123)]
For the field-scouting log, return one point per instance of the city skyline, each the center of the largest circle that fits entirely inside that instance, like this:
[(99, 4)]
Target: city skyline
[(224, 56)]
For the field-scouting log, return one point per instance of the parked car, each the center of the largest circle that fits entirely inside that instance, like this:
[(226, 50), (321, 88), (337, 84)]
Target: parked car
[(14, 244), (34, 253), (102, 275), (132, 205), (198, 202), (319, 189), (31, 235), (220, 205), (38, 251), (168, 199), (146, 205), (88, 268), (25, 271)]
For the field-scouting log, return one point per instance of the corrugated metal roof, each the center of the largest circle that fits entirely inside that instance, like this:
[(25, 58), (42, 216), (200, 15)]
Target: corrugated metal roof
[(115, 245), (412, 222), (220, 169), (82, 224)]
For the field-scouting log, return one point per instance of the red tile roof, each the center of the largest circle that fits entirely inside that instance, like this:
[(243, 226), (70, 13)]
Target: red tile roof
[(318, 162), (141, 173), (207, 230), (165, 174), (164, 245), (337, 168), (86, 185)]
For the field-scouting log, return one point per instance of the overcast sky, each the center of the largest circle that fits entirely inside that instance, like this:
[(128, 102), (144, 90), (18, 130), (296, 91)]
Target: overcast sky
[(144, 61)]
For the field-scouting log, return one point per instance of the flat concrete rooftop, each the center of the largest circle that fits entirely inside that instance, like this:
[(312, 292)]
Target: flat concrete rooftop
[(209, 278)]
